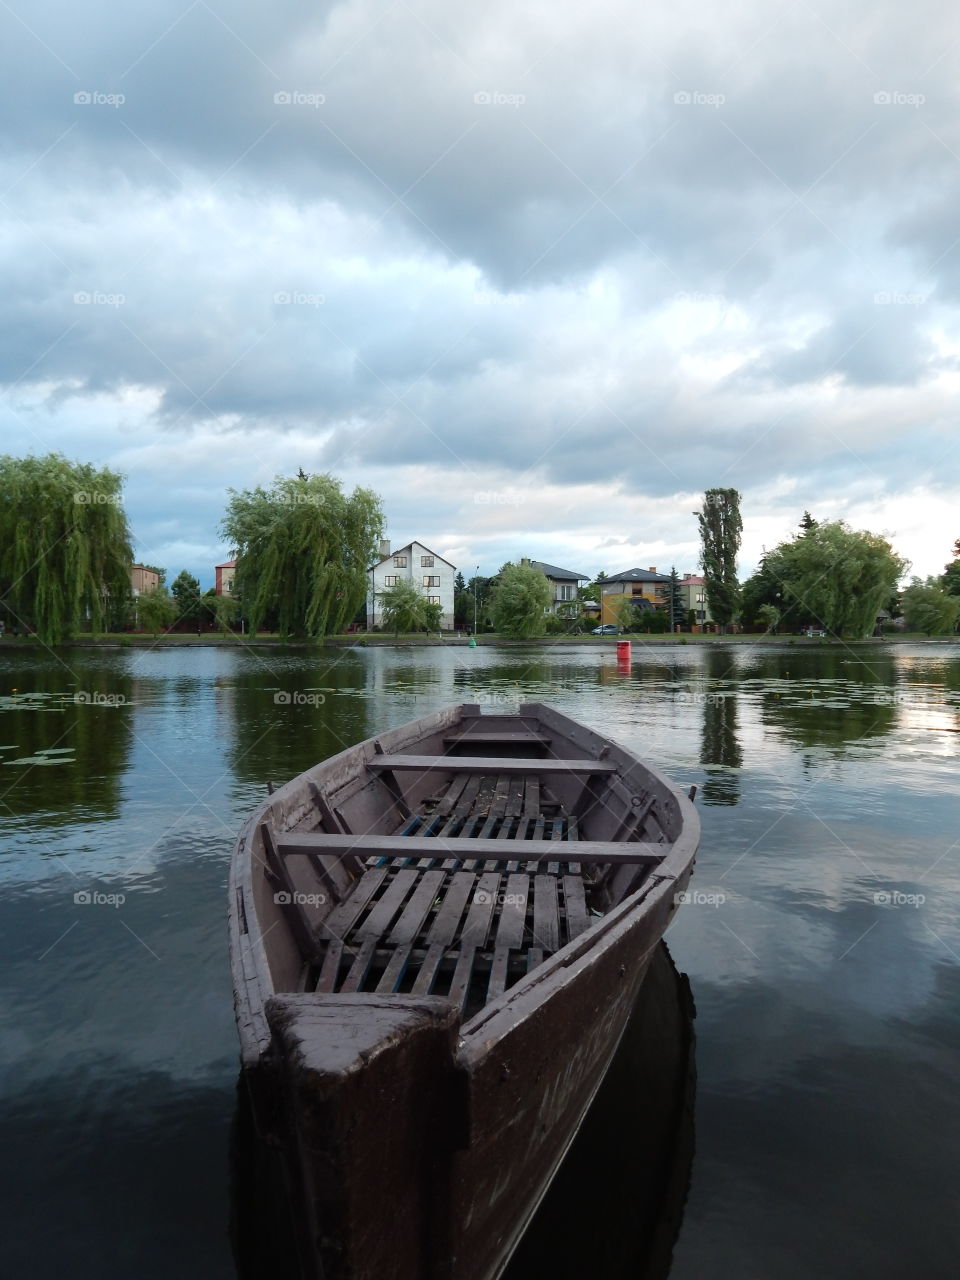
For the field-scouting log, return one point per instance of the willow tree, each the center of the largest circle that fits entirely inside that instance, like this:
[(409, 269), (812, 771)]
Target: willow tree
[(842, 576), (721, 528), (64, 545), (520, 598), (303, 548)]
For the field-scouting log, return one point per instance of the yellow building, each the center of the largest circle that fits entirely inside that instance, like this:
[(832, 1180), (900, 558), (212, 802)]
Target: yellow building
[(634, 585)]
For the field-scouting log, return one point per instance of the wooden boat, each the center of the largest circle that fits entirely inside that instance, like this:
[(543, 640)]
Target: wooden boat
[(437, 939)]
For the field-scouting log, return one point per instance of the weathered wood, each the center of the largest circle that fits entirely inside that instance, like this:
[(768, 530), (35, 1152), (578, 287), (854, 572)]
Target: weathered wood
[(342, 919), (383, 912), (481, 738), (327, 982), (575, 907), (513, 911), (546, 913), (417, 909), (590, 852), (488, 764)]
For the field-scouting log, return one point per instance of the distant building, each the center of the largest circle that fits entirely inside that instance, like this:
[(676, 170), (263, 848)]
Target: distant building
[(415, 563), (693, 591), (225, 574), (641, 587), (142, 579), (563, 582)]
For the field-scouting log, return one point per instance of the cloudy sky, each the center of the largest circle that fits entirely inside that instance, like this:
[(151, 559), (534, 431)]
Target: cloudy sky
[(539, 274)]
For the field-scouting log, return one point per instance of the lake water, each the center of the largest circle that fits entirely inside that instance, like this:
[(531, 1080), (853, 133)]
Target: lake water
[(821, 940)]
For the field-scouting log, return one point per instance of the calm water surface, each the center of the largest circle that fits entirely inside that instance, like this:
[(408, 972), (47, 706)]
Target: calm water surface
[(822, 941)]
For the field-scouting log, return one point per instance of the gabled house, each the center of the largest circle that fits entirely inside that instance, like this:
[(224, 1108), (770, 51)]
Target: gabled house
[(641, 587), (417, 564), (564, 584)]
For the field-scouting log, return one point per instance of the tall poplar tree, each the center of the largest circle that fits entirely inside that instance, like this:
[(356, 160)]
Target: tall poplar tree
[(721, 529), (65, 548)]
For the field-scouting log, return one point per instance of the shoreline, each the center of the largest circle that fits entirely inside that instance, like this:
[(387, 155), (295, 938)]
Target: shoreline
[(188, 641)]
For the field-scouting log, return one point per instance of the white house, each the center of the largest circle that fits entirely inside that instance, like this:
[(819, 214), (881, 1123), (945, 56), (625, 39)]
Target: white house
[(417, 564)]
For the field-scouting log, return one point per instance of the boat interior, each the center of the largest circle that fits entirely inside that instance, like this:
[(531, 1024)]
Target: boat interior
[(456, 862)]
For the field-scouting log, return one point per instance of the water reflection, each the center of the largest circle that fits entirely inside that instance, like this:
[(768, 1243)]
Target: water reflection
[(627, 1173), (64, 740), (720, 750)]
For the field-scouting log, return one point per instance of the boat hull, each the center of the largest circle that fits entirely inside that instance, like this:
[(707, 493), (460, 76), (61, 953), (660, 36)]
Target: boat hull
[(421, 1144)]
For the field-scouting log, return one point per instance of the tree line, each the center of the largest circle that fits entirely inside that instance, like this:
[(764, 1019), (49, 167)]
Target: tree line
[(304, 546)]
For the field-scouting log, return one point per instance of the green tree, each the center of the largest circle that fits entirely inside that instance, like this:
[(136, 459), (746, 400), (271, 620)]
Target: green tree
[(303, 549), (929, 608), (672, 596), (155, 609), (223, 609), (951, 572), (841, 576), (458, 582), (627, 614), (519, 601), (186, 596), (406, 609), (769, 615), (721, 528), (65, 549)]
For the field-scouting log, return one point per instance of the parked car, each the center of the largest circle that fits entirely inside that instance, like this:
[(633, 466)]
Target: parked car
[(608, 629)]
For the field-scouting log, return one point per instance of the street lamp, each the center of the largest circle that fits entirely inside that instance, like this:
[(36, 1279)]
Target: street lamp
[(475, 576)]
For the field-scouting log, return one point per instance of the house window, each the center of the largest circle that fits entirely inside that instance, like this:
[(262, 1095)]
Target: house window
[(399, 562), (426, 562), (434, 599), (390, 580), (431, 581), (564, 593)]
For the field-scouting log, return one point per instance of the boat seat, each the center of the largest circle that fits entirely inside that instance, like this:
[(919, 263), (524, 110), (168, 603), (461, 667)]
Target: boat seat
[(589, 852), (489, 764)]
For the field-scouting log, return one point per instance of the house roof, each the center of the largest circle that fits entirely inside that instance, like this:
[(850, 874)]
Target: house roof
[(693, 580), (409, 547), (227, 564), (551, 571), (637, 575)]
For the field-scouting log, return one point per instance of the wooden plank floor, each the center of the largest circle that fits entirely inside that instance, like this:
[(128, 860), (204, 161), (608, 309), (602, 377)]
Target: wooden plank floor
[(463, 929)]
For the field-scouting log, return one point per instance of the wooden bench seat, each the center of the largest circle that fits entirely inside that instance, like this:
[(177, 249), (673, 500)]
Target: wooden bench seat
[(489, 764), (588, 852)]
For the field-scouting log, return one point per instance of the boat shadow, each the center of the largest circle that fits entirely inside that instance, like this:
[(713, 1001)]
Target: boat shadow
[(629, 1164)]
